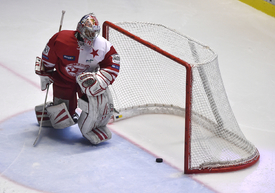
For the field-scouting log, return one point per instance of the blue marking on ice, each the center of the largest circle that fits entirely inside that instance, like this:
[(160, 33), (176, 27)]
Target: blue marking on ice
[(63, 161)]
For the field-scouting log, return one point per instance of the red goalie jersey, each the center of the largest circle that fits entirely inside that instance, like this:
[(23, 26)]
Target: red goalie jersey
[(69, 59), (65, 57)]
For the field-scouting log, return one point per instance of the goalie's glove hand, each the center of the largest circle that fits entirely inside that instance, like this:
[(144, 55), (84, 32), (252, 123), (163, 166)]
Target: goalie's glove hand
[(44, 81), (89, 84)]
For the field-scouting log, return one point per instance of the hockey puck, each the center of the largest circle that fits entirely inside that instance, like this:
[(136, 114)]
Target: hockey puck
[(159, 160)]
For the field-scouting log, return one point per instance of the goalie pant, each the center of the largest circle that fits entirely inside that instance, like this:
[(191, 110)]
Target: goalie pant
[(95, 116)]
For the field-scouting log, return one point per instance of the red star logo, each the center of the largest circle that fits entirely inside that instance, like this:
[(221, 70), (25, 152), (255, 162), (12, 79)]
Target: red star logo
[(94, 53)]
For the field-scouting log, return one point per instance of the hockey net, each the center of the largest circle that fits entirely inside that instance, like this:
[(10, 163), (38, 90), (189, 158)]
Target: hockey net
[(163, 71)]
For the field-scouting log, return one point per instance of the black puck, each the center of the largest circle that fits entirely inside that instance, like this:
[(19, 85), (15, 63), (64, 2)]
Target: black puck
[(159, 160)]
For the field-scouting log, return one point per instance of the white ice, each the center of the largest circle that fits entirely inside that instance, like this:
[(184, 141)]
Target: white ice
[(243, 38)]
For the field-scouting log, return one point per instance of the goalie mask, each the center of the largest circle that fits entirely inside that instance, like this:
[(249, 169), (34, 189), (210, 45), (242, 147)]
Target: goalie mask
[(88, 28)]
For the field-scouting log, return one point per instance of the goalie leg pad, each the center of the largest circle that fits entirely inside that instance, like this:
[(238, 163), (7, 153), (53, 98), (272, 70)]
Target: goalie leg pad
[(59, 116), (46, 119), (99, 135), (94, 134), (95, 116)]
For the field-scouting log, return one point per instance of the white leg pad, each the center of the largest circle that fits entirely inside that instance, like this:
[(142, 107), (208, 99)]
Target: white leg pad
[(46, 119), (95, 116), (94, 134), (98, 135), (59, 116)]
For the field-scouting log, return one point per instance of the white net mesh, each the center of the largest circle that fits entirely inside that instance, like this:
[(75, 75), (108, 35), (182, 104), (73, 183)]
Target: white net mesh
[(149, 82), (214, 127)]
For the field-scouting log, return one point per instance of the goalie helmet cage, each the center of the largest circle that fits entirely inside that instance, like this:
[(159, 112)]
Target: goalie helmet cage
[(163, 71)]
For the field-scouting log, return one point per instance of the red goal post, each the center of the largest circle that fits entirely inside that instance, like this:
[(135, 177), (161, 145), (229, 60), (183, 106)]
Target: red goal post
[(163, 71)]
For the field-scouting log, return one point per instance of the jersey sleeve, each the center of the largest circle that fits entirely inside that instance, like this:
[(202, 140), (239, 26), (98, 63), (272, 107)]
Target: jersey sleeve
[(110, 65), (49, 56)]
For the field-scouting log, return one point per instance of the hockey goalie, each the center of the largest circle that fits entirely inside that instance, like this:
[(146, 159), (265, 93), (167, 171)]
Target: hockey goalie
[(80, 65)]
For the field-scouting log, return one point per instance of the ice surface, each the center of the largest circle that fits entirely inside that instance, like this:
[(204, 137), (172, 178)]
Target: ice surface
[(243, 38)]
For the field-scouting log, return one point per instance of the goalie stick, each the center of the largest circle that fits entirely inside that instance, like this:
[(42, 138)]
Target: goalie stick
[(43, 111)]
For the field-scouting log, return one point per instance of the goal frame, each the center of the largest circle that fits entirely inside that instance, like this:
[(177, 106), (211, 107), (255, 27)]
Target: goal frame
[(187, 155)]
